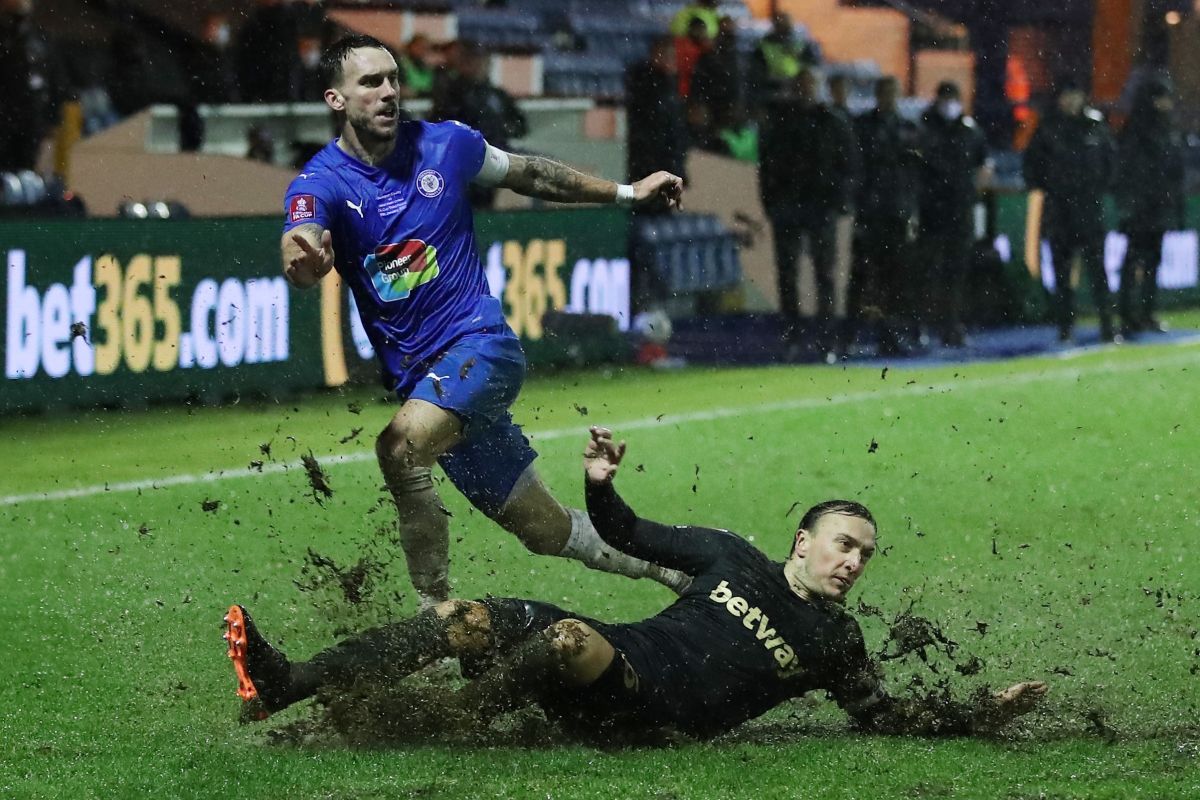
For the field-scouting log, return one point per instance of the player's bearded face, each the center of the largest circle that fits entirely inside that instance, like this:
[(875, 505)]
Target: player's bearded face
[(834, 554), (369, 93)]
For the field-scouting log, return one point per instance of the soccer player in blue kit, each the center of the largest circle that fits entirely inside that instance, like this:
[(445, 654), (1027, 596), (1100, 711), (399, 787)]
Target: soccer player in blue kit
[(386, 205)]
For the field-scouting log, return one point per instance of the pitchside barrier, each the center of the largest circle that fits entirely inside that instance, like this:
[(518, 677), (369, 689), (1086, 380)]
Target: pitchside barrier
[(127, 312), (1013, 223)]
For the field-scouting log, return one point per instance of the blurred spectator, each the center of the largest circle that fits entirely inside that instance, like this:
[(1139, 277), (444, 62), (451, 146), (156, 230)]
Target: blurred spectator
[(657, 133), (805, 161), (260, 145), (470, 97), (312, 82), (268, 44), (689, 50), (31, 87), (954, 165), (886, 209), (447, 70), (702, 11), (214, 78), (839, 95), (129, 79), (777, 61), (1072, 158), (1150, 199), (715, 101), (416, 68)]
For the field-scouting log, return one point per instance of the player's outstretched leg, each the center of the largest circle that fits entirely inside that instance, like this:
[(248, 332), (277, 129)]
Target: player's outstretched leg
[(544, 526), (269, 682), (263, 673)]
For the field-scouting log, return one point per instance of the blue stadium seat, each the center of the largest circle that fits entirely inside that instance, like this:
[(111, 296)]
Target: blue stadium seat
[(500, 29), (689, 252), (583, 75)]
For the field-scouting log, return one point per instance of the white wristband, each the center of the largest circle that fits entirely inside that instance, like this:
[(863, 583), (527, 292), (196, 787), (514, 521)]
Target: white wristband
[(624, 194)]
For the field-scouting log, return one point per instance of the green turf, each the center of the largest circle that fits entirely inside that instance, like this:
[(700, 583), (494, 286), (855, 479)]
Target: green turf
[(1052, 500)]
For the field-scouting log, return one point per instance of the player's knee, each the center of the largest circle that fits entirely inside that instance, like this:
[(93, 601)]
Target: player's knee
[(402, 443), (468, 625), (568, 639), (392, 445)]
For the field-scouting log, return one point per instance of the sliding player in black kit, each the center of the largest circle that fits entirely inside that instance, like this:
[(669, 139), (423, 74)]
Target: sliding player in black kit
[(748, 634)]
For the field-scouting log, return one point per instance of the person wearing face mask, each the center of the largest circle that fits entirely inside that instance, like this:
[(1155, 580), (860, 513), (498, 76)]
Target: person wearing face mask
[(954, 166), (886, 205), (748, 634), (1072, 158), (1150, 199)]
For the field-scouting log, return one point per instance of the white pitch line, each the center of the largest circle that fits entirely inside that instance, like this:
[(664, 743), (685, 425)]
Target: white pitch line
[(662, 420)]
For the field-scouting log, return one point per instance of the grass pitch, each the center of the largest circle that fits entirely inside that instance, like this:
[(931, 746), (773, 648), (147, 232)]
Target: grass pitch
[(1041, 511)]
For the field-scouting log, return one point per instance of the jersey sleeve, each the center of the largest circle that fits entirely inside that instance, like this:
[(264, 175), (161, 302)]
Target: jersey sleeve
[(309, 200), (467, 148), (862, 693), (688, 549)]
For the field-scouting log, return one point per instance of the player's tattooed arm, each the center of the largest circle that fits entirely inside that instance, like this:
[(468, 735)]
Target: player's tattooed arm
[(546, 179), (307, 252)]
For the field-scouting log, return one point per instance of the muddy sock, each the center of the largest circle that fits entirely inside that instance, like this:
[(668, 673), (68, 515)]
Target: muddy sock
[(424, 531), (585, 545), (387, 653)]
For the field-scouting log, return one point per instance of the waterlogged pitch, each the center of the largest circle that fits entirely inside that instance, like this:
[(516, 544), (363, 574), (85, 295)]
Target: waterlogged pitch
[(1038, 520)]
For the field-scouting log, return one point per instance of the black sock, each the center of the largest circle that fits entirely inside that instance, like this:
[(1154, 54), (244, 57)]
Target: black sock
[(389, 652)]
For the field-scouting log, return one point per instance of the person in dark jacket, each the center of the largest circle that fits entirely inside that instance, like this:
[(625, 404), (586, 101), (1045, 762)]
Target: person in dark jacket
[(31, 86), (1072, 158), (267, 47), (807, 157), (886, 210), (657, 129), (954, 165), (471, 98), (716, 99), (1150, 197)]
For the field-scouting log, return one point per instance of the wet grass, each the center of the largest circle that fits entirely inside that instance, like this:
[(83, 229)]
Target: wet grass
[(1041, 511)]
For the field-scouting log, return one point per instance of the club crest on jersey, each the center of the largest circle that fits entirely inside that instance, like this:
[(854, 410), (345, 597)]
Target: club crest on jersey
[(302, 207), (396, 269), (430, 183)]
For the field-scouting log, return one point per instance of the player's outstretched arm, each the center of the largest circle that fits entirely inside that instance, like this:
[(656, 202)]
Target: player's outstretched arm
[(937, 715), (546, 179), (307, 252), (690, 550)]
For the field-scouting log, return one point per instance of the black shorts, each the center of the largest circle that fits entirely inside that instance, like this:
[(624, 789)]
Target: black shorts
[(624, 700)]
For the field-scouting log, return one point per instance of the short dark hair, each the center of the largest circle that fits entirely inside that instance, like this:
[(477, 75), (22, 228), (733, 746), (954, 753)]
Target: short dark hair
[(848, 507), (948, 90), (334, 57)]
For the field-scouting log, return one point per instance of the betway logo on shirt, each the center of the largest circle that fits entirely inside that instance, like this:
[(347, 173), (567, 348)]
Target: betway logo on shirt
[(758, 623)]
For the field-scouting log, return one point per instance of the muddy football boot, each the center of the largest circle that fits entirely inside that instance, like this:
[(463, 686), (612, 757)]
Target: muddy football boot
[(263, 673)]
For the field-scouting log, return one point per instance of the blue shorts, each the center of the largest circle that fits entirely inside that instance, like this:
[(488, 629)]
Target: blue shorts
[(478, 378)]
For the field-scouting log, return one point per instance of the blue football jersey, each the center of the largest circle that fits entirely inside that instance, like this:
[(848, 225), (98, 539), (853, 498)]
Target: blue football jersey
[(404, 241)]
